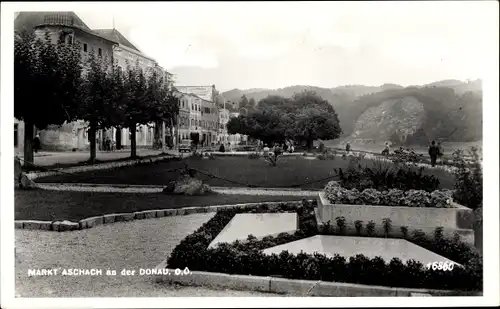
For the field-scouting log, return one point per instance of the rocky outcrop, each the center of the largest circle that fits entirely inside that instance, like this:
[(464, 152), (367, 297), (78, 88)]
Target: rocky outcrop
[(21, 180), (400, 117), (187, 185)]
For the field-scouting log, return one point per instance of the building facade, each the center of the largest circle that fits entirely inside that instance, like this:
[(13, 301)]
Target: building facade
[(126, 54), (203, 117), (224, 137), (72, 29)]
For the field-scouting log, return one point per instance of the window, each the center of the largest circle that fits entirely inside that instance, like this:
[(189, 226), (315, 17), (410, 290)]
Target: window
[(16, 135), (99, 52), (192, 106), (85, 47), (192, 122)]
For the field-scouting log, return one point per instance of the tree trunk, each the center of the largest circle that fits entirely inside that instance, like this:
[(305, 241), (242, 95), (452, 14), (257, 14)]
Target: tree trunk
[(92, 139), (172, 140), (163, 141), (310, 143), (133, 142), (28, 144)]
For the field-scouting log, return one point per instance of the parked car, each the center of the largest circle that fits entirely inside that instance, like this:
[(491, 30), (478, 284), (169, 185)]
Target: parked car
[(185, 146)]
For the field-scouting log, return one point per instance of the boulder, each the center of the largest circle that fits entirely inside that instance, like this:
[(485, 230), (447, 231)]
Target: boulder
[(187, 185), (26, 183), (18, 170)]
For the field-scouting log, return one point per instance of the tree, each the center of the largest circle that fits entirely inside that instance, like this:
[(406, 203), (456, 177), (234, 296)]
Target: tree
[(252, 104), (305, 117), (163, 105), (244, 101), (136, 109), (102, 96), (47, 76)]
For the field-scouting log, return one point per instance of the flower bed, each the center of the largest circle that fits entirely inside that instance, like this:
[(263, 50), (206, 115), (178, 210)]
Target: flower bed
[(247, 257), (413, 208)]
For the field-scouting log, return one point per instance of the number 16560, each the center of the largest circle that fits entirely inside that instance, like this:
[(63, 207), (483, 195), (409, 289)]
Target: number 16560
[(446, 266)]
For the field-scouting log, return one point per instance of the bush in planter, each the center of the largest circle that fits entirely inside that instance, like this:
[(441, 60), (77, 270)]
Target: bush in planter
[(246, 258), (438, 234), (341, 224), (404, 231), (370, 228), (468, 179), (371, 197), (358, 225), (387, 223), (417, 198)]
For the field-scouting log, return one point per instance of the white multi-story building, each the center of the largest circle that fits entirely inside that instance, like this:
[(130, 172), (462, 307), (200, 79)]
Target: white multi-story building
[(199, 102), (126, 54)]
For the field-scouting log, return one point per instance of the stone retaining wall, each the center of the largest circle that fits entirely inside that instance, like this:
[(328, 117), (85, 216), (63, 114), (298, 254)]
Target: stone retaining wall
[(63, 226), (295, 287), (458, 217)]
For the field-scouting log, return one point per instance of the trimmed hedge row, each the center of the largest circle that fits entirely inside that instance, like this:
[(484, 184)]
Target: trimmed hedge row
[(337, 194), (247, 258)]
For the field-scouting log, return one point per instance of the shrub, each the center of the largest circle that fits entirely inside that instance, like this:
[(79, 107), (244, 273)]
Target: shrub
[(370, 228), (438, 234), (383, 175), (468, 179), (387, 223), (358, 224), (321, 157), (336, 194), (247, 258), (254, 155), (197, 155), (417, 198), (404, 231), (341, 224), (371, 196)]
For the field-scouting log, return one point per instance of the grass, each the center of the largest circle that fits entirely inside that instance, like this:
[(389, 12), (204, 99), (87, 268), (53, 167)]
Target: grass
[(85, 163), (290, 172), (64, 205)]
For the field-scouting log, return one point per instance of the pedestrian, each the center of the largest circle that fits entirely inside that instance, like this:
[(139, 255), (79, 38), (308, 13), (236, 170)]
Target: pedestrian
[(292, 149), (36, 144), (266, 150), (433, 153), (387, 149), (347, 147)]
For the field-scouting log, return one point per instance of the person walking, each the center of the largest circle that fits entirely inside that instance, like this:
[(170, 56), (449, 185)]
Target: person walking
[(36, 144), (266, 150), (348, 147), (387, 149), (433, 153)]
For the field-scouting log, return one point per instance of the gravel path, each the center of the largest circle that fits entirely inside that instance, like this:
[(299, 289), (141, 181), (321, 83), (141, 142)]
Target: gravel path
[(159, 189), (125, 245)]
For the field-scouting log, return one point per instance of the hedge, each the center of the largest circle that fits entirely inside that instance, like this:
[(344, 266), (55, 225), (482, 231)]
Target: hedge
[(247, 258), (337, 194)]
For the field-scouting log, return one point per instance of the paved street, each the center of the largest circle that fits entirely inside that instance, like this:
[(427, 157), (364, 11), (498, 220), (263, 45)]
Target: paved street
[(51, 158), (124, 245)]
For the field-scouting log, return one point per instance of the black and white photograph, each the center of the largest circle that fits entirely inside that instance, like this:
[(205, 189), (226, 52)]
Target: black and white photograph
[(251, 153)]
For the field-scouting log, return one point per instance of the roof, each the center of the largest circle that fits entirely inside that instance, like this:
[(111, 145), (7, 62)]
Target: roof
[(115, 35), (29, 21)]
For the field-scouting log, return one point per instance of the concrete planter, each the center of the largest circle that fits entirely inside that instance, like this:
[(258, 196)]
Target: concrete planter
[(458, 218)]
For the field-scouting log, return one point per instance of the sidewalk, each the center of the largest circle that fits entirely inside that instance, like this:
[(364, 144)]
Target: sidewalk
[(51, 158)]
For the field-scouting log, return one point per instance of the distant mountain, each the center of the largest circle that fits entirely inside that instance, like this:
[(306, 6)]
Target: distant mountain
[(450, 110)]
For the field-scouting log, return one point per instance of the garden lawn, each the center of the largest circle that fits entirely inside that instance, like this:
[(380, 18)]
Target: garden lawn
[(294, 171), (66, 205)]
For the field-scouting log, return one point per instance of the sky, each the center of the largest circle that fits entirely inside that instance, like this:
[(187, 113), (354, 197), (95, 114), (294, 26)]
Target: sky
[(326, 44)]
